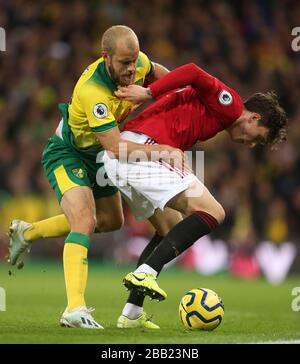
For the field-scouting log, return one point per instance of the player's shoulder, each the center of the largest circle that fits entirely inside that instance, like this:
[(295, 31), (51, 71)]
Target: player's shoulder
[(226, 96), (90, 72), (144, 67), (95, 81), (143, 56), (143, 60), (228, 102)]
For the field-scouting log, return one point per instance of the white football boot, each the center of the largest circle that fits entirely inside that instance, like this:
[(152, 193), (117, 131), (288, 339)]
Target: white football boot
[(17, 243), (79, 317)]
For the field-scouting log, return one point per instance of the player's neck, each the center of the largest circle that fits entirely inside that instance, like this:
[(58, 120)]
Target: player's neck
[(235, 129), (240, 120)]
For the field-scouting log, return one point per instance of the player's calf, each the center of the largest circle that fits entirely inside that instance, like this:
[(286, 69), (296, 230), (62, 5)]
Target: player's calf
[(182, 236)]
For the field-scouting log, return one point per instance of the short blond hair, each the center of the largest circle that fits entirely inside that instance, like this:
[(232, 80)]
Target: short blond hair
[(113, 34)]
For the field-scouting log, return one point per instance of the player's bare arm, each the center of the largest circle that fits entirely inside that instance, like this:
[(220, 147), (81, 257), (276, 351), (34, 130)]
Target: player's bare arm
[(112, 142)]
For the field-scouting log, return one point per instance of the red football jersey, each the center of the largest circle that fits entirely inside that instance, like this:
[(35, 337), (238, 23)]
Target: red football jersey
[(191, 105)]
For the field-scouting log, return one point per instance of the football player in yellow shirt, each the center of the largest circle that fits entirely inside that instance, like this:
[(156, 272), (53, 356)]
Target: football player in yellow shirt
[(89, 125)]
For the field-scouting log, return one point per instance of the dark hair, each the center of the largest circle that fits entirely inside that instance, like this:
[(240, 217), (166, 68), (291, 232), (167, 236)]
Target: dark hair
[(272, 115)]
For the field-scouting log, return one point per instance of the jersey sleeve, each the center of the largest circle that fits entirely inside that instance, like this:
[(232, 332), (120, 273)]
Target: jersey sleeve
[(225, 103), (145, 66), (97, 107), (188, 74), (214, 94)]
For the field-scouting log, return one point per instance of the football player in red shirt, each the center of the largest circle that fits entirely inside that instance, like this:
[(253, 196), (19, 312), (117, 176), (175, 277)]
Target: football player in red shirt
[(191, 106)]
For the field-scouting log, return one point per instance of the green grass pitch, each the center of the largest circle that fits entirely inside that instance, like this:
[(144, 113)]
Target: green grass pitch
[(254, 311)]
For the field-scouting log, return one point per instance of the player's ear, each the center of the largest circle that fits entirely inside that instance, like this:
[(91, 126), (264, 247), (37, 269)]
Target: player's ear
[(255, 117)]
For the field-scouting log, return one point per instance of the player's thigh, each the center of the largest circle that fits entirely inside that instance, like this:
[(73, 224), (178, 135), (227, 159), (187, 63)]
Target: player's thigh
[(64, 168), (197, 198), (164, 221), (109, 212), (69, 177)]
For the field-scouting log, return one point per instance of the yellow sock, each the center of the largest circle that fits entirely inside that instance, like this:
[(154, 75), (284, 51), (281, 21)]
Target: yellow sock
[(49, 228), (76, 268)]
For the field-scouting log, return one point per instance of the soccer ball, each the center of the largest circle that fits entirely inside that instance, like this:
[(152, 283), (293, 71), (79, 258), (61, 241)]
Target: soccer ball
[(201, 309)]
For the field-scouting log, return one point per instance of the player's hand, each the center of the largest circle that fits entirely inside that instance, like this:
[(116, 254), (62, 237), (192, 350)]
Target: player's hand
[(134, 93)]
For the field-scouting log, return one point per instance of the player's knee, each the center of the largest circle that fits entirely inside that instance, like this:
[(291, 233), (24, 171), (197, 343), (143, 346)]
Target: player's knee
[(106, 223), (90, 222), (117, 222), (163, 231), (219, 213), (85, 223), (215, 209)]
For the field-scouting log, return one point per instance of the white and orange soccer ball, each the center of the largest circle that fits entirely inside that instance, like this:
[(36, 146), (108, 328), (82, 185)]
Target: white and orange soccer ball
[(201, 309)]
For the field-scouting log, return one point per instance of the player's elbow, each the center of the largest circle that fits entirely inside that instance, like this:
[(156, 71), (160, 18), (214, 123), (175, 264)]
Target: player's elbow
[(113, 150), (192, 65), (193, 68), (111, 144), (194, 72)]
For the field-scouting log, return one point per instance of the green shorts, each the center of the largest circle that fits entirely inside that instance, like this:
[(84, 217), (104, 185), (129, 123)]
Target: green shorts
[(66, 168)]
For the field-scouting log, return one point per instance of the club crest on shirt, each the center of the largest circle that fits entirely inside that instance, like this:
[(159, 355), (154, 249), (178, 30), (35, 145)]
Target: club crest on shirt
[(78, 172), (225, 98), (100, 111)]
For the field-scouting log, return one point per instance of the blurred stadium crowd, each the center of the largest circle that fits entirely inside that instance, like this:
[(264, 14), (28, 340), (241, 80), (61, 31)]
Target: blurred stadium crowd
[(245, 43)]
